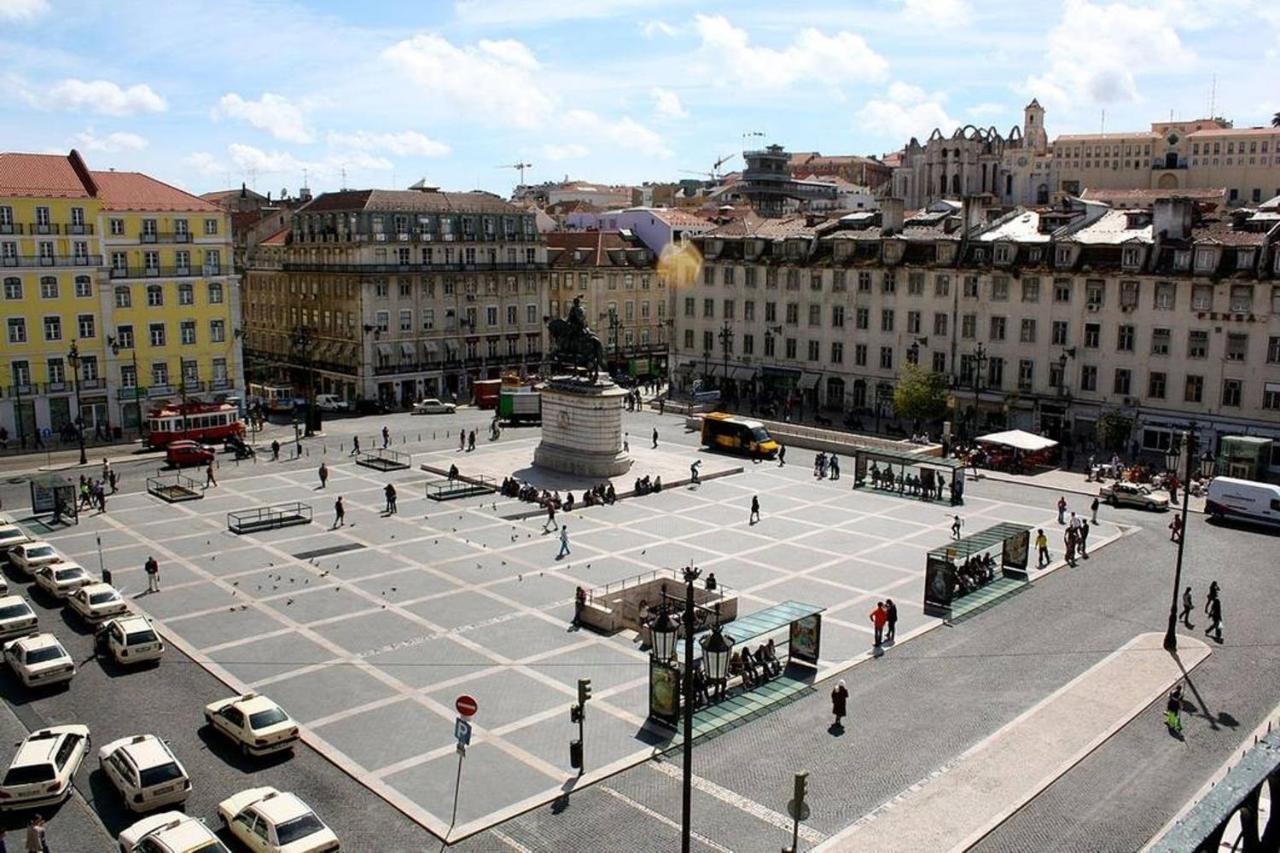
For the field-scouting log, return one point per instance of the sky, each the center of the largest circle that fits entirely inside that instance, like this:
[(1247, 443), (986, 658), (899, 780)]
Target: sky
[(272, 93)]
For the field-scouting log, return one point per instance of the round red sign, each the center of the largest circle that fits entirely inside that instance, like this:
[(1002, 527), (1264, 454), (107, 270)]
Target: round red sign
[(466, 705)]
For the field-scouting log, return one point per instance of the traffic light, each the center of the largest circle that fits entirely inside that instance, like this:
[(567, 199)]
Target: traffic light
[(584, 691), (575, 713), (575, 754)]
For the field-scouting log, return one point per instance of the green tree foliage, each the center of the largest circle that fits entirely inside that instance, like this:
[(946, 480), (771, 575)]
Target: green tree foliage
[(1114, 430), (920, 396)]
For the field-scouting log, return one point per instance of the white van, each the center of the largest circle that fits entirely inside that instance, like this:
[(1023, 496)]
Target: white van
[(331, 403), (1244, 500)]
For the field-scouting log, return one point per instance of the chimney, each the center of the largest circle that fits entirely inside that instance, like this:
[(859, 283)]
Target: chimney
[(891, 215), (1172, 218)]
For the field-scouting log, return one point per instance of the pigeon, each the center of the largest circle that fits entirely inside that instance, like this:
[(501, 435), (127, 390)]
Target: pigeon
[(287, 603)]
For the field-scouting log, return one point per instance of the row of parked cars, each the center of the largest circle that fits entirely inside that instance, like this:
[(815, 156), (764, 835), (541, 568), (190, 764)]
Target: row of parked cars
[(142, 768)]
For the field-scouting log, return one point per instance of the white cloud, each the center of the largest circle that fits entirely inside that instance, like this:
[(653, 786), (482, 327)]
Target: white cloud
[(111, 143), (812, 56), (567, 151), (102, 96), (624, 133), (987, 109), (937, 13), (204, 163), (1095, 48), (491, 81), (534, 12), (406, 143), (255, 161), (275, 114), (666, 104), (655, 28), (904, 111), (22, 10)]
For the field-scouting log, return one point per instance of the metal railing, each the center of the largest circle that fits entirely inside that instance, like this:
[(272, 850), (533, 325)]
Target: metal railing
[(269, 517), (165, 237), (478, 266), (52, 261), (188, 271)]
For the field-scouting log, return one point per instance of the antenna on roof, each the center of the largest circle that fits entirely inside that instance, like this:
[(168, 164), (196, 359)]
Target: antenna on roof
[(1102, 126), (344, 176), (1213, 96)]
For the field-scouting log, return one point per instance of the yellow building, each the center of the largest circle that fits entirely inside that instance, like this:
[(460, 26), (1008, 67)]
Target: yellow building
[(118, 293)]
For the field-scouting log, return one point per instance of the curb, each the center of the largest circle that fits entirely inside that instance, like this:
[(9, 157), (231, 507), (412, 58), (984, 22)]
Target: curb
[(1001, 478)]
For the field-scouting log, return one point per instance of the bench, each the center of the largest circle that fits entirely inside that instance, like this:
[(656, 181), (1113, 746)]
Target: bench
[(447, 490), (384, 460), (174, 488), (269, 517)]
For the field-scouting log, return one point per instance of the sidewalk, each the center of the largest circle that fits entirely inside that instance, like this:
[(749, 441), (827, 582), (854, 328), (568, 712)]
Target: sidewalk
[(1058, 480)]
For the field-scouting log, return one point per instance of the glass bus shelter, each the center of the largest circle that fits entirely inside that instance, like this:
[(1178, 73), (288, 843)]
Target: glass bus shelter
[(912, 475)]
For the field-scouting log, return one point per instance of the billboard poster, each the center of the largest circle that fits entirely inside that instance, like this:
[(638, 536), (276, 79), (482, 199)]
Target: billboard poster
[(664, 692), (806, 638), (939, 583), (1015, 550)]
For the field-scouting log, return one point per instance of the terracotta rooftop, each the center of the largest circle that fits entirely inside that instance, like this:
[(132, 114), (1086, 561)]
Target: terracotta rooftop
[(410, 201), (276, 239), (136, 191), (1111, 196), (1234, 131), (47, 175)]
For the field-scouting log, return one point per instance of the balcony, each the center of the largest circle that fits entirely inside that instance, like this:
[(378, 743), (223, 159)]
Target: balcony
[(10, 228), (132, 392), (163, 272), (77, 228), (219, 384), (25, 390), (52, 261), (374, 268), (56, 387), (95, 384), (161, 391), (37, 228), (164, 237)]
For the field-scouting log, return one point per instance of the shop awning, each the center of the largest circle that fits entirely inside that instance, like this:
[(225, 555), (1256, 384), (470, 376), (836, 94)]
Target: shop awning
[(408, 350), (384, 350), (742, 374), (809, 381), (1019, 440), (433, 348)]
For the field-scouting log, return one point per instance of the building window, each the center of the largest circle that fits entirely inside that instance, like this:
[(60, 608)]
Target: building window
[(17, 333), (1273, 350), (210, 227), (1122, 382), (1232, 390), (1198, 344), (913, 322), (157, 334), (1165, 296), (1027, 331), (689, 304), (1128, 294), (1160, 341), (688, 338), (124, 337), (155, 295), (160, 373), (186, 295), (1124, 338), (886, 358), (53, 328), (1060, 330), (814, 352), (864, 281), (1031, 290), (886, 320), (13, 288), (85, 326), (837, 352), (1026, 374), (1241, 298), (1088, 378), (942, 285), (837, 316), (1271, 396), (889, 282), (1202, 297), (939, 362), (995, 372), (815, 281), (860, 355), (215, 293), (997, 329), (915, 284), (1094, 293), (790, 348), (708, 308), (48, 287), (84, 287), (1205, 259), (56, 370), (116, 227), (187, 330), (969, 326), (939, 323), (1000, 289), (1155, 385), (815, 315), (748, 278), (1237, 347), (1194, 391), (862, 318), (971, 287), (793, 314)]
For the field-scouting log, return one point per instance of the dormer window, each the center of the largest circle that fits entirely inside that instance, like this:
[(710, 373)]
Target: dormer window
[(1244, 259), (1182, 259), (1003, 253), (946, 251), (1063, 256), (1132, 256), (1204, 260), (979, 255), (892, 250), (1033, 255)]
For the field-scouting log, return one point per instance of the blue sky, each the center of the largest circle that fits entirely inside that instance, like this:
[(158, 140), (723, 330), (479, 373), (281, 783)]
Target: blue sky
[(209, 94)]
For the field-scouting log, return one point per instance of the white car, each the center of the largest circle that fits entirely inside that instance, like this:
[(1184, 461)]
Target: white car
[(331, 403), (145, 772), (131, 639), (1133, 494), (94, 602), (39, 660), (62, 579), (16, 617), (41, 773), (432, 406), (29, 556), (269, 821), (10, 535), (170, 832), (257, 724)]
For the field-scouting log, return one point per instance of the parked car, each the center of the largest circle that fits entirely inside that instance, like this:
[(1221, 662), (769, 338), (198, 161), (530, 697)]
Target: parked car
[(39, 660), (16, 617), (371, 407), (10, 535), (258, 725), (331, 403), (184, 452), (29, 556), (40, 773), (269, 821), (145, 772), (62, 579), (129, 639), (432, 406), (1133, 494), (170, 832)]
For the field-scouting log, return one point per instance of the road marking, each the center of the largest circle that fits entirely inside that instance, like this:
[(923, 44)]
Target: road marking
[(740, 802), (510, 842), (661, 818)]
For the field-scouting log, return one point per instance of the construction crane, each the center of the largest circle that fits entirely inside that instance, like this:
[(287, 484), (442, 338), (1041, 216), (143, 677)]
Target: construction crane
[(714, 174), (521, 166)]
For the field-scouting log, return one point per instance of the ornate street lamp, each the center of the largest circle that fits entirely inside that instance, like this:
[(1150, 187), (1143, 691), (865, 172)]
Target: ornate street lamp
[(716, 651), (1185, 446), (663, 634), (73, 358)]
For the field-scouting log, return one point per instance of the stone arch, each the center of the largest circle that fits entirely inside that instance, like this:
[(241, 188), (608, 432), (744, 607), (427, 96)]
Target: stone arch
[(1167, 181)]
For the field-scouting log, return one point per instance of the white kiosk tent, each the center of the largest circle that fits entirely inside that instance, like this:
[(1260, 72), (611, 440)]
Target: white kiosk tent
[(1028, 442)]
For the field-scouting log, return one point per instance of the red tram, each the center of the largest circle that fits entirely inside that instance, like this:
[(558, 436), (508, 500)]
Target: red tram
[(203, 422)]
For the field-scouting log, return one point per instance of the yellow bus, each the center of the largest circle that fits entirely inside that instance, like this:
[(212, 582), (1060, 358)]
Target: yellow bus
[(721, 431)]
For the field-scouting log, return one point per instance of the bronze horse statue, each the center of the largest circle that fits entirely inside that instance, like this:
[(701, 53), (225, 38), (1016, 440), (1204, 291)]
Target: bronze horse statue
[(578, 347)]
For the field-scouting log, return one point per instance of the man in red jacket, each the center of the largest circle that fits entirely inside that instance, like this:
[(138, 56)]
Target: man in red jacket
[(878, 617)]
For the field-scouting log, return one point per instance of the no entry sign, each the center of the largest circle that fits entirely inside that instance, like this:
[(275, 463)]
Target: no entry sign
[(466, 706)]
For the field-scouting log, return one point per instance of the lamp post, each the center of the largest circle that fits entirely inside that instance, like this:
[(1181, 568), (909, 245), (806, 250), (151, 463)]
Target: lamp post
[(304, 342), (913, 351), (979, 359), (1184, 451), (726, 345), (73, 359), (114, 343)]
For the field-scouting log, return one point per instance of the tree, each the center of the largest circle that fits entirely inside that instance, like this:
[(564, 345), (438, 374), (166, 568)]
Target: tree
[(1113, 431), (920, 396), (1275, 120)]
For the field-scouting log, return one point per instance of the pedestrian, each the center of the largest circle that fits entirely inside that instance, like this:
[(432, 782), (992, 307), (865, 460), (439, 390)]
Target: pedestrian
[(297, 447), (754, 518), (1070, 539), (1215, 618), (840, 703), (655, 437), (1062, 509), (1187, 606), (1093, 510), (36, 842), (390, 492), (564, 542), (662, 405), (114, 479), (1074, 522), (782, 454), (101, 494), (1173, 710), (339, 513), (579, 602), (693, 472), (209, 479), (879, 617), (1084, 539), (275, 451), (551, 518), (1173, 491), (355, 445), (956, 524), (942, 482), (1175, 529), (324, 474), (462, 439), (833, 465), (1213, 593), (891, 617), (106, 470), (386, 437), (1042, 550), (626, 442), (471, 441), (152, 568), (820, 465)]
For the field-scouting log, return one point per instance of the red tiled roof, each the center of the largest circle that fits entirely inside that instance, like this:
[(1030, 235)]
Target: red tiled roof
[(48, 175), (596, 243), (136, 191), (276, 239)]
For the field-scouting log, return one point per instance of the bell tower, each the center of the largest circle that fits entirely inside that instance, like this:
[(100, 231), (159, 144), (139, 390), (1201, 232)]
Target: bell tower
[(1033, 133)]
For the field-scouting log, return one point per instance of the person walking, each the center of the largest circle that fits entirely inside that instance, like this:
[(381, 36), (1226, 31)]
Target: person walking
[(879, 617), (324, 474), (1175, 529), (209, 479), (471, 441), (1093, 511), (1173, 710), (782, 454), (839, 704), (275, 450), (339, 513), (355, 445), (891, 620), (833, 465), (390, 492), (1213, 593), (36, 842), (693, 473), (754, 518), (564, 542), (1187, 606), (1083, 534), (1215, 619), (1062, 509), (386, 437), (462, 440), (1042, 550), (655, 437), (551, 523), (152, 568), (956, 524), (1070, 540)]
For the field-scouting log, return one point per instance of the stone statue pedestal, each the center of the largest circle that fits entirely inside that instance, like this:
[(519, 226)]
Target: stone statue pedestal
[(582, 429)]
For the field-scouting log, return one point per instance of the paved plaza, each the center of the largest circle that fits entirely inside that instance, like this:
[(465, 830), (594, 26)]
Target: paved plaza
[(368, 632)]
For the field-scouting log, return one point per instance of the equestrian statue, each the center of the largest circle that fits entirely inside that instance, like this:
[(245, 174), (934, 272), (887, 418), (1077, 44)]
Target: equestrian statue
[(573, 342)]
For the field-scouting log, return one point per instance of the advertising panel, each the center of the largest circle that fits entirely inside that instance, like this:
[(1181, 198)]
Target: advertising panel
[(806, 638)]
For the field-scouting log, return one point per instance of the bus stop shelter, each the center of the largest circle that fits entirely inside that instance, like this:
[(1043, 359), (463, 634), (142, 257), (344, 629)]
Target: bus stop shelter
[(56, 496), (913, 475), (951, 569)]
